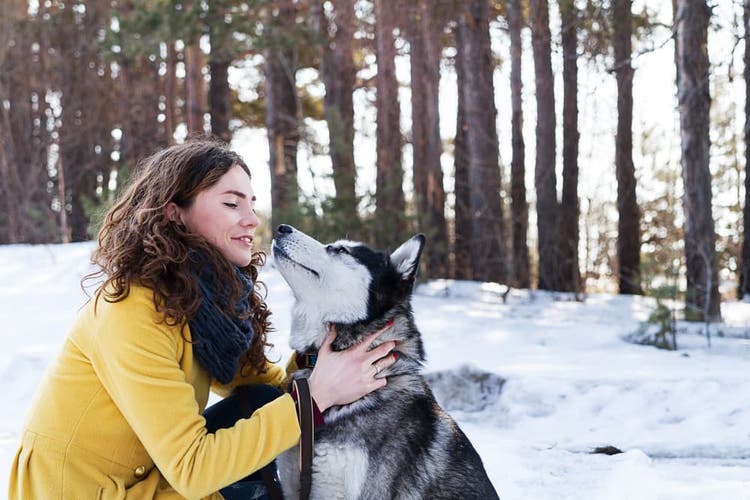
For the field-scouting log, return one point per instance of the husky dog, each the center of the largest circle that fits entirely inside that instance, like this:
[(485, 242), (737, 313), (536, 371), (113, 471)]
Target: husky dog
[(396, 442)]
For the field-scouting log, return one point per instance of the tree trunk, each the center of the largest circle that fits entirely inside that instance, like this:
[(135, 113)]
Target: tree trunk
[(570, 279), (691, 22), (142, 134), (545, 179), (519, 208), (11, 14), (10, 187), (426, 142), (339, 74), (26, 202), (170, 92), (43, 135), (194, 89), (219, 99), (282, 122), (389, 204), (628, 226), (139, 84), (219, 95), (82, 116), (744, 288), (487, 244), (462, 222)]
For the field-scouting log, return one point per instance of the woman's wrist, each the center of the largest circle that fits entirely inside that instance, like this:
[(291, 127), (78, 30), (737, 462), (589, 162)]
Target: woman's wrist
[(319, 397)]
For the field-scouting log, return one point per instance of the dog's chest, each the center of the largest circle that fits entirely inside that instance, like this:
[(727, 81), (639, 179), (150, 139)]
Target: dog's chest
[(339, 471)]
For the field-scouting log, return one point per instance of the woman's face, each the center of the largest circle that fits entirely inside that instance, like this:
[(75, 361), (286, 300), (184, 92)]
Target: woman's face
[(224, 214)]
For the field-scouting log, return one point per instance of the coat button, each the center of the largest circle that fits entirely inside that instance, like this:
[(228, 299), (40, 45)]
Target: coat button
[(140, 471)]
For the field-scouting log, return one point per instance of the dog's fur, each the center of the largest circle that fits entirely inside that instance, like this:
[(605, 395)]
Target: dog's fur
[(395, 442)]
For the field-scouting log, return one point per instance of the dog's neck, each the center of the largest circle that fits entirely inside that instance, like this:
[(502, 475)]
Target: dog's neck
[(309, 332)]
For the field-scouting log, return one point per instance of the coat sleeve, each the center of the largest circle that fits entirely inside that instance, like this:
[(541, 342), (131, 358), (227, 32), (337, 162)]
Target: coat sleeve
[(137, 361), (274, 375)]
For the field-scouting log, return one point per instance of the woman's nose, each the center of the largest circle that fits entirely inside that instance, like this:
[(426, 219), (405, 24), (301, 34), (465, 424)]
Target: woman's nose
[(251, 219)]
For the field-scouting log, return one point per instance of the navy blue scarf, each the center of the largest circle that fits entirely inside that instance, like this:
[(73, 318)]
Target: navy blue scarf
[(219, 341)]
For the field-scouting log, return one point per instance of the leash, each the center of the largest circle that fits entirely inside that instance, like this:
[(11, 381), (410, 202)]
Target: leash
[(307, 441)]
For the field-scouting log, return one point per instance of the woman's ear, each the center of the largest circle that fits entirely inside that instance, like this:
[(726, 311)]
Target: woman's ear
[(173, 212)]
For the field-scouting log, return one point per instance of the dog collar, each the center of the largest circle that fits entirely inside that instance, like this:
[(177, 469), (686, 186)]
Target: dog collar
[(306, 360)]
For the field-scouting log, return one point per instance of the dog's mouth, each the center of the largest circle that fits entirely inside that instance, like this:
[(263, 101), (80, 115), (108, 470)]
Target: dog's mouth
[(279, 252)]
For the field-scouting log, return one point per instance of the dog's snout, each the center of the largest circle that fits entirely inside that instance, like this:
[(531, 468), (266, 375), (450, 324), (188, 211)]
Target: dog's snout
[(284, 229)]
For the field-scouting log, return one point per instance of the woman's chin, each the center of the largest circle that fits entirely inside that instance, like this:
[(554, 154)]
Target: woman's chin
[(242, 261)]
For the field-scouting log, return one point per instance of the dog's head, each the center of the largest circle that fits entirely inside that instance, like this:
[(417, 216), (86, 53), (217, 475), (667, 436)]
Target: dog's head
[(344, 282)]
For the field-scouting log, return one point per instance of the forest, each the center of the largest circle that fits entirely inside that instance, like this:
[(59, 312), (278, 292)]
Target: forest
[(366, 89)]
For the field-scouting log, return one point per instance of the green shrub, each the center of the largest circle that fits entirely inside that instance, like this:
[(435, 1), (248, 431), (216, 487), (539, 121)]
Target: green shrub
[(659, 330)]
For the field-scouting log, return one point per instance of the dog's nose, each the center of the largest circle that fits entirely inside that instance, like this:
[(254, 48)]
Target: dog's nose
[(284, 229)]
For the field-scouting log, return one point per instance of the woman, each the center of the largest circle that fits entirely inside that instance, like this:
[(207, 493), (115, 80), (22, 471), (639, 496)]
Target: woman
[(119, 414)]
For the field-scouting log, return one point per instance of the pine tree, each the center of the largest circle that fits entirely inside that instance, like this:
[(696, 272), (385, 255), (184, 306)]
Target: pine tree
[(691, 32), (744, 285), (521, 275), (389, 203), (219, 60), (570, 278), (488, 253), (338, 73), (545, 180), (628, 226), (282, 109), (424, 41)]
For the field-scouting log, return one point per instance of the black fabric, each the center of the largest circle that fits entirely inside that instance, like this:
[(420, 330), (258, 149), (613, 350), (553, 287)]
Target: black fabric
[(219, 340), (243, 401)]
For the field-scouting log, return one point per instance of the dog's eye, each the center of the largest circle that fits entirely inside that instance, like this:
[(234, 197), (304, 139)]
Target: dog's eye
[(337, 250)]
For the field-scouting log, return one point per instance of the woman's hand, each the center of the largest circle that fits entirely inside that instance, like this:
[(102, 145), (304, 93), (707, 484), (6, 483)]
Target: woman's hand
[(342, 377)]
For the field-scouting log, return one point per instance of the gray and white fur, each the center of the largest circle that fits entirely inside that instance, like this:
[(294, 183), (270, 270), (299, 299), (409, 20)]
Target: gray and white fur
[(396, 442)]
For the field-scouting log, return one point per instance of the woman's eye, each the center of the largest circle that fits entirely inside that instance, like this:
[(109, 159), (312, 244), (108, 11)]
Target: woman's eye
[(231, 205)]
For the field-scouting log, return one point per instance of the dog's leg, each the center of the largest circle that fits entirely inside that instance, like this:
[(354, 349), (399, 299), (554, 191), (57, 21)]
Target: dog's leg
[(288, 465)]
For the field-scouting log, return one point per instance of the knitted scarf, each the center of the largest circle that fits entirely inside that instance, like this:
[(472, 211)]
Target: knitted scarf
[(220, 340)]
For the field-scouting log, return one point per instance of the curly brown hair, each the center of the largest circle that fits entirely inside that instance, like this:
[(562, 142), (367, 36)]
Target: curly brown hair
[(139, 244)]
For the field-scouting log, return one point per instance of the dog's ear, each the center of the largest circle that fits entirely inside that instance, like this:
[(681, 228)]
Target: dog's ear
[(406, 257)]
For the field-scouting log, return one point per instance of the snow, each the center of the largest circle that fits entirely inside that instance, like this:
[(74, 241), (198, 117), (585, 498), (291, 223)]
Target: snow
[(536, 382)]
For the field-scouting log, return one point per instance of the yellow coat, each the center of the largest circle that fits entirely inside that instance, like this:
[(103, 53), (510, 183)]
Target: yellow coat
[(119, 416)]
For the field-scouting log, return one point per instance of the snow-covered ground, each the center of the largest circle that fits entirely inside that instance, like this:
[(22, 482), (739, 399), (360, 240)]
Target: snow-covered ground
[(571, 383)]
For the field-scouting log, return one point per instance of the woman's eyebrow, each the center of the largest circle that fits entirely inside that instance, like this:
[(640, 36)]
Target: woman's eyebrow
[(238, 193)]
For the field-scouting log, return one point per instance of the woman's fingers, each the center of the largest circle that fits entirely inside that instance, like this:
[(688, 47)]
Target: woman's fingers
[(369, 338), (377, 383), (380, 351), (326, 345), (369, 356), (386, 361), (340, 377), (381, 364)]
